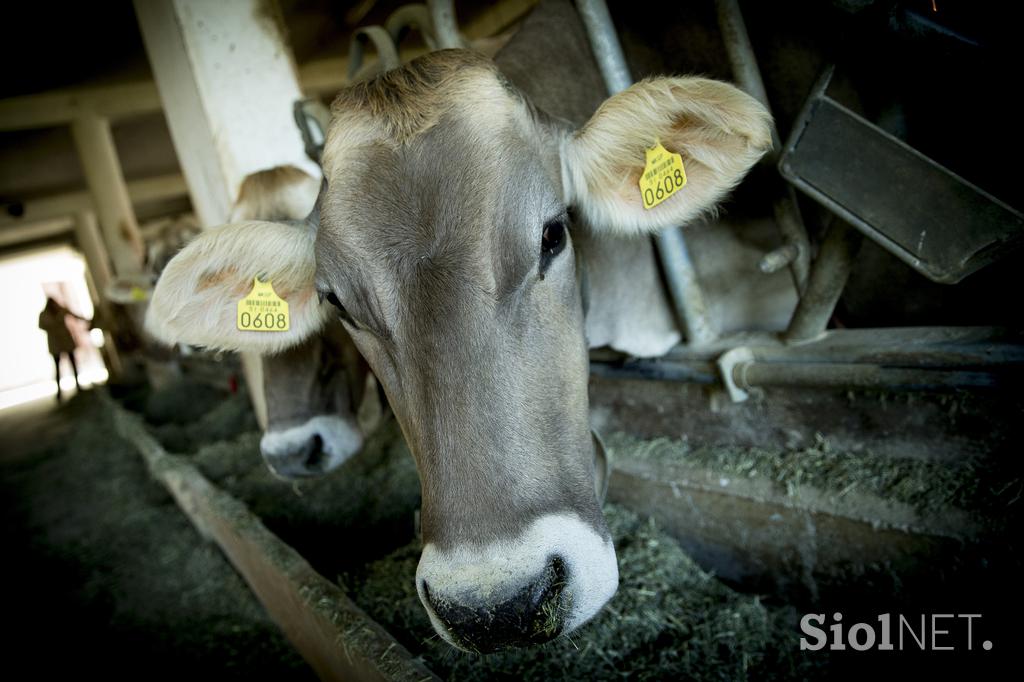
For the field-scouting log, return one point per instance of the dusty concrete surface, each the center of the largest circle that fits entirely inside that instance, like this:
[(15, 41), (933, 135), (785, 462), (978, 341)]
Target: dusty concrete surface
[(105, 575)]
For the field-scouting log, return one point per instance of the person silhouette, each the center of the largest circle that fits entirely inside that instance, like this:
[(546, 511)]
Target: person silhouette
[(53, 321)]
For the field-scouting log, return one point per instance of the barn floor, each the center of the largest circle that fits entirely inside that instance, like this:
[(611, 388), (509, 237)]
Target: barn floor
[(108, 575), (107, 560)]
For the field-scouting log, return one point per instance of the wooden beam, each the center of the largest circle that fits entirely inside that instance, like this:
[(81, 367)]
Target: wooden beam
[(97, 276), (43, 229), (156, 188), (67, 204), (90, 241), (323, 77), (61, 107), (319, 78)]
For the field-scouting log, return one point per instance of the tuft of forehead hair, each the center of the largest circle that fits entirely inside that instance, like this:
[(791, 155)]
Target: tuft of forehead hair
[(403, 103)]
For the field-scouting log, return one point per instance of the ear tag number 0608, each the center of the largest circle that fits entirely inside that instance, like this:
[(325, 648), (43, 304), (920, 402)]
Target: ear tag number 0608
[(663, 176), (262, 310)]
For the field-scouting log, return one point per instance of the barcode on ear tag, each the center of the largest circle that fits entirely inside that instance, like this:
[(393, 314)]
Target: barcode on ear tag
[(262, 310), (663, 176)]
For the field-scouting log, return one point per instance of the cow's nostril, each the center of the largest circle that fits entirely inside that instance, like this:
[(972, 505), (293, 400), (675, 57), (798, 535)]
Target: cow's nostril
[(315, 453), (534, 615), (549, 586)]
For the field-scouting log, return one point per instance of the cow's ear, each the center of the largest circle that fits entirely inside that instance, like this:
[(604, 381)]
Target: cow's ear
[(196, 298), (719, 132)]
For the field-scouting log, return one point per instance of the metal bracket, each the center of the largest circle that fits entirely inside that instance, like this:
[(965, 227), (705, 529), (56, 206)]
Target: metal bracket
[(924, 214), (728, 362), (387, 53), (312, 118)]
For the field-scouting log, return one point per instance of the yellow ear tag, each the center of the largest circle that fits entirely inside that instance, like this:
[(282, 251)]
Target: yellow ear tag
[(262, 310), (137, 293), (663, 176)]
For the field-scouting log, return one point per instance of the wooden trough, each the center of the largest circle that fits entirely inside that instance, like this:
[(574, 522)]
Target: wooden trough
[(337, 639), (799, 547)]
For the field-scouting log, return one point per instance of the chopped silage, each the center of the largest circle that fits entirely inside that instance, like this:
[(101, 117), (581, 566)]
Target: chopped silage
[(363, 509), (193, 415), (669, 620), (985, 485)]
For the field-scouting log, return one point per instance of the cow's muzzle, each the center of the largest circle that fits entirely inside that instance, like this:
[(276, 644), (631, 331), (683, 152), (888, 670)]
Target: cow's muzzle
[(534, 615), (312, 448), (545, 581)]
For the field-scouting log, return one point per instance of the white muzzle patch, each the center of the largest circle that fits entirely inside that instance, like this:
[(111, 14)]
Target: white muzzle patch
[(339, 441), (488, 574)]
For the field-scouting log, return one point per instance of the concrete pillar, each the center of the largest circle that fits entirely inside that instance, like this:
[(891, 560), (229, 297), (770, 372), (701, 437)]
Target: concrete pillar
[(228, 82), (98, 156)]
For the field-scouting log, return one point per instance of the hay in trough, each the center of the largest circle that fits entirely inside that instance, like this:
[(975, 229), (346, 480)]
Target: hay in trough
[(976, 484), (181, 427), (669, 620), (368, 503)]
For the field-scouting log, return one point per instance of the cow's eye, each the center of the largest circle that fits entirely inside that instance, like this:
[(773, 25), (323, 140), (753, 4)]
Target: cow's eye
[(552, 241), (333, 300)]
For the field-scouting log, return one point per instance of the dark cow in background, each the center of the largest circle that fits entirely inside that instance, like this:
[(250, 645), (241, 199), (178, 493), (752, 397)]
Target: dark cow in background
[(457, 189)]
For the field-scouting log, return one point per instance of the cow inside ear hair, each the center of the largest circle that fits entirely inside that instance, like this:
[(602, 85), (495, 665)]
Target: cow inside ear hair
[(196, 298), (719, 131)]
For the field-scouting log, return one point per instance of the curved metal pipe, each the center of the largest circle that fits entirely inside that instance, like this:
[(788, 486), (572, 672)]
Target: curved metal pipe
[(740, 52), (411, 16), (312, 119), (446, 27), (687, 298), (387, 53)]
